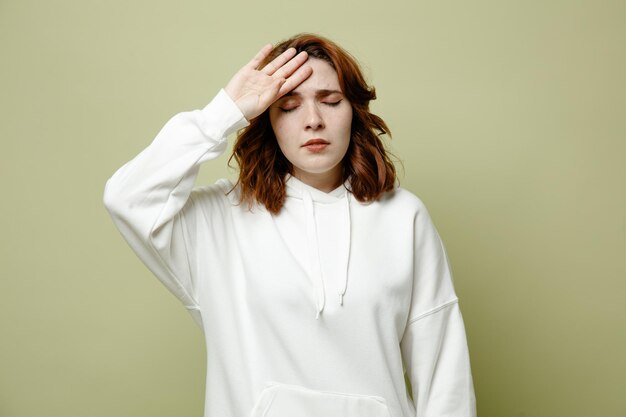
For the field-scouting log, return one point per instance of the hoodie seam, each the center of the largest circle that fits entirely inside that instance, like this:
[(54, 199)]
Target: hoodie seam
[(432, 311)]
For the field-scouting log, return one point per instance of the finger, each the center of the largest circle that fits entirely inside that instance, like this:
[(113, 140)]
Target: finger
[(279, 61), (295, 80), (270, 94), (286, 70), (260, 56)]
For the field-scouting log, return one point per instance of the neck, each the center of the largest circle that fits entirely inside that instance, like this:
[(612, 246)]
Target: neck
[(325, 182)]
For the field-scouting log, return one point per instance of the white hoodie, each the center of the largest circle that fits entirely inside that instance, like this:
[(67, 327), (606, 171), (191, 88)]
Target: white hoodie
[(315, 312)]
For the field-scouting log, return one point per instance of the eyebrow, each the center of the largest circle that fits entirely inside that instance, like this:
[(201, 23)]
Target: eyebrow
[(318, 93)]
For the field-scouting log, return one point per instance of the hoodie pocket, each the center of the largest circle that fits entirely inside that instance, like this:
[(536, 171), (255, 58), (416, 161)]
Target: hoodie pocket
[(284, 400)]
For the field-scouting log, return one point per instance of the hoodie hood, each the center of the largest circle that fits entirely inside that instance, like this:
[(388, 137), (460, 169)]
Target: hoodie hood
[(310, 197)]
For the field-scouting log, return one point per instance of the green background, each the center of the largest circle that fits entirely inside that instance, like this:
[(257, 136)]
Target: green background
[(509, 118)]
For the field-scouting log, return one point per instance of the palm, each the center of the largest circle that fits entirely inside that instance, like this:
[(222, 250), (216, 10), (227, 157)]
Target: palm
[(255, 90)]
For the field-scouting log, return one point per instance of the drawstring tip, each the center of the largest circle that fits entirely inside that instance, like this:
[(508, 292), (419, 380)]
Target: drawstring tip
[(340, 299), (317, 316)]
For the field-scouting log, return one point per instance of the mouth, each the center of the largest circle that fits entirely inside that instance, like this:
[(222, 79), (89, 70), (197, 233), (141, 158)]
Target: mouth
[(317, 141), (316, 145)]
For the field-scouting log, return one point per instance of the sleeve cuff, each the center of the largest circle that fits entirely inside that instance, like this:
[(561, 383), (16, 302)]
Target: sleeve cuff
[(221, 116)]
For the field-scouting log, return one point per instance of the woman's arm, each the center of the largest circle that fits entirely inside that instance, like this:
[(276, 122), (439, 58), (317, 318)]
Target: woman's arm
[(434, 345), (150, 198)]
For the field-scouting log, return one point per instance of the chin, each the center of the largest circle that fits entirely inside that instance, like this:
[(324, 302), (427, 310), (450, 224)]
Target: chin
[(315, 171)]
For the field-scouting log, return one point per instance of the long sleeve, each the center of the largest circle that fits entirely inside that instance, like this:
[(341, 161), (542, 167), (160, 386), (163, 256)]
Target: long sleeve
[(434, 345), (149, 198)]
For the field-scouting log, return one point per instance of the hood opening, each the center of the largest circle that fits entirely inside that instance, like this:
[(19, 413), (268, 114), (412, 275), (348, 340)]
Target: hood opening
[(310, 196)]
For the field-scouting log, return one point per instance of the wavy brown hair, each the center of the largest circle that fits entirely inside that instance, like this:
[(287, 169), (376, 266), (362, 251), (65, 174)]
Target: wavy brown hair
[(262, 165)]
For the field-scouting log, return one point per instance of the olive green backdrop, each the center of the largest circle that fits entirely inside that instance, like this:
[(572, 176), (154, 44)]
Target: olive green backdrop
[(509, 118)]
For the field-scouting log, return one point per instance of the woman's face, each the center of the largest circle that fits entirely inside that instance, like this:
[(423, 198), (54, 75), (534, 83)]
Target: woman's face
[(312, 125)]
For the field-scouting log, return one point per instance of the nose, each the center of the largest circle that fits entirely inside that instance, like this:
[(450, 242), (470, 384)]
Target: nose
[(314, 119)]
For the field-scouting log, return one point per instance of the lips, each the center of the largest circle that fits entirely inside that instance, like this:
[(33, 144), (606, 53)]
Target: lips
[(316, 142), (316, 145)]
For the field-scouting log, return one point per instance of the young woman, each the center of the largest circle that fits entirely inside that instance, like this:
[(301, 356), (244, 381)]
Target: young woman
[(316, 280)]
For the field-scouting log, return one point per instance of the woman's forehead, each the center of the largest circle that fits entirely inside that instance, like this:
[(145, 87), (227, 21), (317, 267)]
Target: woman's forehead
[(322, 81)]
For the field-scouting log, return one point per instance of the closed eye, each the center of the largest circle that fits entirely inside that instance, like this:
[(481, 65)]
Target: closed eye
[(333, 103), (292, 108)]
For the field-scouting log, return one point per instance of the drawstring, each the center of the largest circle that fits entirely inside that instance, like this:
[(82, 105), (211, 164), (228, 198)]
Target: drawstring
[(348, 235), (314, 252)]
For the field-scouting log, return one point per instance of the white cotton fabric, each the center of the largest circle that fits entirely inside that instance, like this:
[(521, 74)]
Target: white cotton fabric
[(315, 312)]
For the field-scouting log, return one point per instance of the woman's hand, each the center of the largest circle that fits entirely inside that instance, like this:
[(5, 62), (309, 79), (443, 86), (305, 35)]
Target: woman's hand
[(255, 90)]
